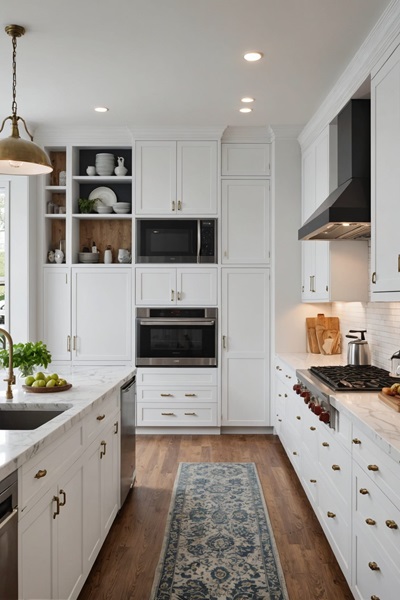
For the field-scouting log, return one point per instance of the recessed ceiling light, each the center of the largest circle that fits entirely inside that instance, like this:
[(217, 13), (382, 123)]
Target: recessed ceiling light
[(252, 56), (245, 110), (101, 109), (247, 99)]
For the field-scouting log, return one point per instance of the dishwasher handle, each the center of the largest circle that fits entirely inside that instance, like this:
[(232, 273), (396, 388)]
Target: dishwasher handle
[(129, 384)]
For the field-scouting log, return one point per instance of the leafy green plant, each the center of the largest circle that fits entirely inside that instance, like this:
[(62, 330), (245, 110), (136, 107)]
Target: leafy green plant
[(86, 205), (26, 356)]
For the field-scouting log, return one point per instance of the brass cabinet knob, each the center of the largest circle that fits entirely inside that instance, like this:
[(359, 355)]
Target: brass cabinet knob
[(330, 514), (373, 597), (391, 524), (298, 417), (335, 468), (370, 521), (313, 481), (356, 441), (364, 491), (373, 468), (100, 417), (295, 453), (325, 444), (41, 473), (313, 428), (373, 566)]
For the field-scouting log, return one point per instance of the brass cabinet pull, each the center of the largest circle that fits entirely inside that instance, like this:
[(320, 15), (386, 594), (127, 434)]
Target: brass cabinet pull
[(191, 414), (278, 368), (116, 427), (370, 521), (179, 205), (288, 376), (63, 503), (280, 420), (104, 449), (41, 473), (373, 566), (179, 296), (100, 417), (74, 342), (298, 417), (335, 468), (172, 296), (356, 441), (313, 428), (373, 597), (169, 414), (224, 345), (373, 278), (313, 481), (295, 453), (68, 343), (166, 395), (391, 524), (285, 395), (173, 205), (325, 444), (373, 468), (190, 395), (56, 499), (330, 514), (364, 491)]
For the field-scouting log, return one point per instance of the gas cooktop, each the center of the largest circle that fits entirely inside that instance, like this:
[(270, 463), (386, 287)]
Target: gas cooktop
[(353, 378)]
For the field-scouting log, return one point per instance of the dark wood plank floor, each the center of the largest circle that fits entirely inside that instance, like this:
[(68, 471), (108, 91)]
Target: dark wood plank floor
[(125, 567)]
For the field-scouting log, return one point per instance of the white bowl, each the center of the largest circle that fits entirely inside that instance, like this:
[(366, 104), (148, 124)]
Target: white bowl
[(104, 210), (121, 211), (88, 257), (122, 205)]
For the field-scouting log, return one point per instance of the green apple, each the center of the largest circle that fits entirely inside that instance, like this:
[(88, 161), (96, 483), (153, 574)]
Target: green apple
[(54, 376), (40, 375), (61, 382), (50, 383), (39, 383), (29, 380)]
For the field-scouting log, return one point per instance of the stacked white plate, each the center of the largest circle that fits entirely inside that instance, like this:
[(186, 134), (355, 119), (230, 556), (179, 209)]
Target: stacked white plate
[(122, 208), (89, 257), (105, 163)]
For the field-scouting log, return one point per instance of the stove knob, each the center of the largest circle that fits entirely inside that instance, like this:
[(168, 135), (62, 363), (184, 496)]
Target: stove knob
[(306, 395), (311, 405), (297, 387), (317, 409), (325, 416)]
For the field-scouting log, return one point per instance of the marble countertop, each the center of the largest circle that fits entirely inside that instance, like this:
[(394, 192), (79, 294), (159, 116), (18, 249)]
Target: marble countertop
[(90, 385), (379, 422)]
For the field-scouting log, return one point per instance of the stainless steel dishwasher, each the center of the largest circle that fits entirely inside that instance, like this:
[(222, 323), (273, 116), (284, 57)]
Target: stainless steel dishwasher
[(9, 538), (128, 425)]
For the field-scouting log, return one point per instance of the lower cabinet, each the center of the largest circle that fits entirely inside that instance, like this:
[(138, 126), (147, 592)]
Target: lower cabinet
[(169, 397), (65, 521), (245, 347)]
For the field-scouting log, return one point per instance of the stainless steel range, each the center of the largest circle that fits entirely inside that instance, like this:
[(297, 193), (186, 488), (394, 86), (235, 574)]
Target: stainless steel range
[(316, 384)]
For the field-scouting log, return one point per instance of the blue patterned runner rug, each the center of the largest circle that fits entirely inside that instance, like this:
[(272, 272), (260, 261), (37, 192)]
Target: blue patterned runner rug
[(218, 542)]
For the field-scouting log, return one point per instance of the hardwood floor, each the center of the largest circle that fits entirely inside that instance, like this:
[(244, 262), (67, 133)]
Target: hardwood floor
[(125, 567)]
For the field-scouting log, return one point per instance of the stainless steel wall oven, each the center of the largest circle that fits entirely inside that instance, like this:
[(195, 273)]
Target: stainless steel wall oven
[(171, 337)]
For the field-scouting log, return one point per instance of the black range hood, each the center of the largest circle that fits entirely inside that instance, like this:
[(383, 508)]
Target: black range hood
[(346, 213)]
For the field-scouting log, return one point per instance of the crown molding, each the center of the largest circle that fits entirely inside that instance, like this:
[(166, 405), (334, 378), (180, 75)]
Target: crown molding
[(171, 133), (84, 136), (285, 132), (240, 134), (373, 50)]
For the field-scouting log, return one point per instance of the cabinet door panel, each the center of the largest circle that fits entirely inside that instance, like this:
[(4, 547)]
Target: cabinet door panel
[(102, 314), (110, 477), (155, 286), (197, 177), (57, 311), (245, 221), (246, 159), (197, 287), (155, 177), (92, 503)]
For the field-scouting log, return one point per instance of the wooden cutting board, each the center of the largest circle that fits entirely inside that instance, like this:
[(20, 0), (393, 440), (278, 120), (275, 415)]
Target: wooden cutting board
[(312, 341), (320, 330), (392, 401)]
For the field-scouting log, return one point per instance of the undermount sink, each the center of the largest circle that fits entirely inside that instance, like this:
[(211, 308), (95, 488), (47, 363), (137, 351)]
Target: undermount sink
[(12, 418)]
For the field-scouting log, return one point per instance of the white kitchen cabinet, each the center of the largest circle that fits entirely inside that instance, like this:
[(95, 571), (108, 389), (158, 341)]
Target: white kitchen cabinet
[(165, 286), (331, 271), (385, 179), (176, 178), (51, 541), (246, 160), (246, 221), (175, 397), (87, 314), (245, 347)]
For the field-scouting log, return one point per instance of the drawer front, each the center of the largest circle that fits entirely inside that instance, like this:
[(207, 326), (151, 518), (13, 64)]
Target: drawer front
[(40, 472), (100, 415), (383, 579), (310, 475), (335, 464), (175, 415), (309, 431), (177, 377), (375, 514), (335, 515), (164, 395), (285, 373), (383, 470)]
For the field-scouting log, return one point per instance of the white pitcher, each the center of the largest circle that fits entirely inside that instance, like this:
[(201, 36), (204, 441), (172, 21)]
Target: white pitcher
[(121, 169)]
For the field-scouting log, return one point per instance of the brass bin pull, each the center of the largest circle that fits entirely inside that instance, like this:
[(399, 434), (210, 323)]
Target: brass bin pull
[(335, 468), (325, 444), (56, 499), (373, 566), (191, 414), (364, 491), (313, 481), (356, 441), (190, 395), (101, 417), (330, 514), (370, 521), (63, 503), (41, 473), (104, 449), (168, 414), (391, 524), (373, 468), (166, 395)]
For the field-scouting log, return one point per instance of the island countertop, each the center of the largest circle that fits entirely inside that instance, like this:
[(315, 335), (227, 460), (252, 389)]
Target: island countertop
[(90, 385)]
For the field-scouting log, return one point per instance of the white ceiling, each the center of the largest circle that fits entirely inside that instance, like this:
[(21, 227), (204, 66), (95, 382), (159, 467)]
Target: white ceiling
[(177, 63)]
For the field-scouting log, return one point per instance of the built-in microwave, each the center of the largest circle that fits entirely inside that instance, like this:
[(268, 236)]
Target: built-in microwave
[(176, 240)]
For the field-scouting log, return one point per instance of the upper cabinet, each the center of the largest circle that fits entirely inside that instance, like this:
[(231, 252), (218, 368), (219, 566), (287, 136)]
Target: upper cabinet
[(331, 271), (176, 178), (385, 175), (246, 160)]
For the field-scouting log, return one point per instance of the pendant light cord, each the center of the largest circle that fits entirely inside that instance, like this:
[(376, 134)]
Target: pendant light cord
[(14, 81)]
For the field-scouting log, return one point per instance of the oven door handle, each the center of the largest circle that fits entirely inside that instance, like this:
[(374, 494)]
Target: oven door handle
[(198, 240), (151, 321)]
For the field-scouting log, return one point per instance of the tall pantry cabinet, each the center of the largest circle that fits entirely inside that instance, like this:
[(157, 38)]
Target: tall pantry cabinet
[(245, 258)]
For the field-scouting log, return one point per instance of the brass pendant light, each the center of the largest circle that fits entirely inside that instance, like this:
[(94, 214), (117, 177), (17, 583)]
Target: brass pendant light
[(19, 156)]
